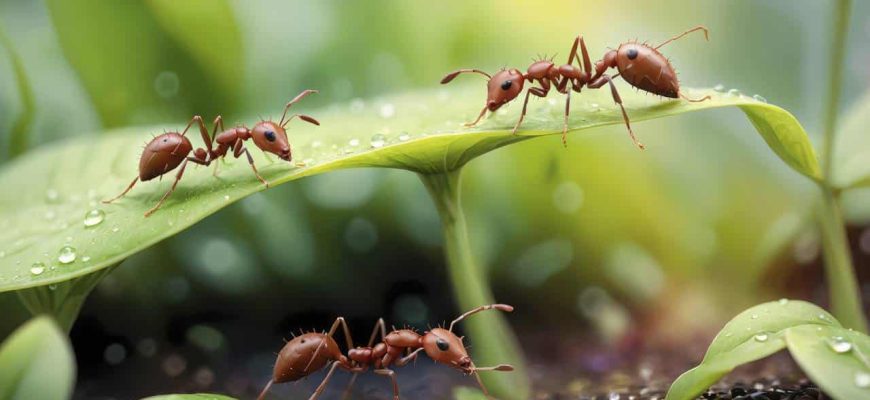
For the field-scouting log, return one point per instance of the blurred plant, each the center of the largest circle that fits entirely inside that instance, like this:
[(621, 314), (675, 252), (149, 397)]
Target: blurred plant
[(37, 362)]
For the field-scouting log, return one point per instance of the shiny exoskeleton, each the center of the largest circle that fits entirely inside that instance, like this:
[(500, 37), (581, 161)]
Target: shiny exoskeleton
[(310, 352), (170, 150), (639, 64)]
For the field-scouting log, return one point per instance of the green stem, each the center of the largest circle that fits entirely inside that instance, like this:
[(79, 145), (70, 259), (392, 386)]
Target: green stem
[(64, 300), (493, 340), (845, 295)]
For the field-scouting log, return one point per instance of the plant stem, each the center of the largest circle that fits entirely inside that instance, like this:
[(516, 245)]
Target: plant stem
[(64, 300), (492, 338), (845, 295)]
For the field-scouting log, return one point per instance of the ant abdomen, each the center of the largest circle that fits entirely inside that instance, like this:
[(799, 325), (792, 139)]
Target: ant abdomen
[(163, 153), (301, 357)]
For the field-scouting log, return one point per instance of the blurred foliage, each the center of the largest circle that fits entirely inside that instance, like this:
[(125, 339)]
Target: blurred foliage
[(37, 362)]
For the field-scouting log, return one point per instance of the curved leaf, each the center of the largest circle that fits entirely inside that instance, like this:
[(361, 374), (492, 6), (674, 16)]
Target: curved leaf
[(842, 373), (37, 363), (752, 335), (49, 192), (192, 396)]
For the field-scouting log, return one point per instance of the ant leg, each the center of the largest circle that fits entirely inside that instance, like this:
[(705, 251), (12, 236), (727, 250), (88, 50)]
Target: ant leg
[(502, 307), (606, 79), (479, 117), (707, 97), (122, 193), (410, 357), (380, 326), (535, 91), (295, 99), (240, 148), (697, 28), (585, 62), (392, 374), (449, 77), (265, 390), (172, 189), (565, 125), (322, 386)]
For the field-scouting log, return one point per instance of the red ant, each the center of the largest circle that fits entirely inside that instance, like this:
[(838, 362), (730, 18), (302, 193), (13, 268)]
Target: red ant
[(311, 352), (639, 64), (166, 152)]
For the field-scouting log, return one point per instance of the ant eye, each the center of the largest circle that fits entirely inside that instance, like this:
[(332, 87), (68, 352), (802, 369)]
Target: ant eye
[(506, 84), (442, 344), (270, 136), (632, 54)]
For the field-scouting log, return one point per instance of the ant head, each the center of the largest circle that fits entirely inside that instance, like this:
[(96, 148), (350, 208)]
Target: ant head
[(272, 138), (446, 348), (504, 86)]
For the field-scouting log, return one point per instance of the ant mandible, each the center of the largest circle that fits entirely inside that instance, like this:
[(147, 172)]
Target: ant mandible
[(167, 151), (641, 65), (311, 352)]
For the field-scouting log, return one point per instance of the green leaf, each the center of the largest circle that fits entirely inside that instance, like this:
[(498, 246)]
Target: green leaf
[(50, 190), (844, 374), (753, 334), (37, 363), (192, 396)]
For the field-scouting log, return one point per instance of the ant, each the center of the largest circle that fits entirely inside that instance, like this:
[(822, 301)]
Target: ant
[(166, 152), (641, 65), (311, 352)]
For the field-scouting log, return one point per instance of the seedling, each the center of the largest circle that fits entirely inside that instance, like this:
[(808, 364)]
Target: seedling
[(170, 150), (312, 351), (641, 65)]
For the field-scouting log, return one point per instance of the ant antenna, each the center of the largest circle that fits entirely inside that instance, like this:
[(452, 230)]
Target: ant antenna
[(502, 307), (295, 99)]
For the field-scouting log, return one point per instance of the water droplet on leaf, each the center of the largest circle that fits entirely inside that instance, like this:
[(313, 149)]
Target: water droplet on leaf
[(94, 217), (840, 345), (66, 255), (404, 137), (862, 380), (759, 98), (388, 110), (378, 140), (761, 337), (37, 268), (719, 88), (783, 301)]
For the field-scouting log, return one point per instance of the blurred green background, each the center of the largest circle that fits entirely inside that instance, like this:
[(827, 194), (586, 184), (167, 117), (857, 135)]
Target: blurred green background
[(596, 241)]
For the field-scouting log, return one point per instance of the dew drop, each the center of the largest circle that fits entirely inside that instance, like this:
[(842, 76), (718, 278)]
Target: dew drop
[(823, 317), (115, 229), (404, 137), (761, 337), (759, 98), (783, 301), (862, 380), (378, 140), (719, 88), (37, 268), (840, 345), (94, 217), (754, 316), (728, 334), (52, 287), (86, 258), (388, 110), (66, 255), (734, 92), (226, 197), (353, 143)]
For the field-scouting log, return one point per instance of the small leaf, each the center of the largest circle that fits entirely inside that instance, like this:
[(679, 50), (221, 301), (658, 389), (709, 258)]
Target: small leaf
[(753, 334), (52, 190), (192, 396), (836, 359), (37, 363)]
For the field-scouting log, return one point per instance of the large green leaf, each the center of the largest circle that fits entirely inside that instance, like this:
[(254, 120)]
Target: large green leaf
[(753, 334), (37, 363), (836, 359), (49, 192)]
